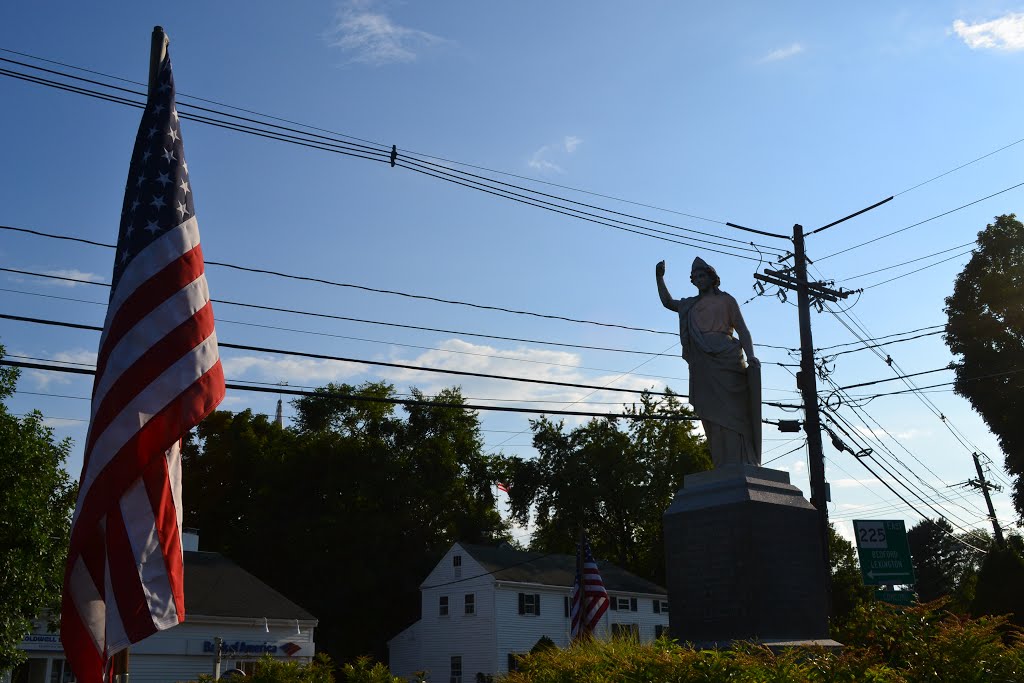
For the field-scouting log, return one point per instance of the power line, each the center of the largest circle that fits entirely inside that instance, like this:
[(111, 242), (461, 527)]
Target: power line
[(927, 220), (381, 155), (49, 235), (379, 144), (884, 336), (331, 316), (377, 399), (362, 361), (904, 263), (365, 288), (931, 265)]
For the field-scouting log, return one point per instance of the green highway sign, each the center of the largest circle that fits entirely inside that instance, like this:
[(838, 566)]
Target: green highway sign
[(884, 552), (901, 598)]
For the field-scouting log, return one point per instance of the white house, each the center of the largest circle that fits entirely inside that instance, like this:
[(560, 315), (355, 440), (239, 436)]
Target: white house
[(222, 600), (482, 606)]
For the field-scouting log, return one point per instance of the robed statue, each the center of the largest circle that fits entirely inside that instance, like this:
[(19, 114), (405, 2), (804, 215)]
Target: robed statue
[(725, 389)]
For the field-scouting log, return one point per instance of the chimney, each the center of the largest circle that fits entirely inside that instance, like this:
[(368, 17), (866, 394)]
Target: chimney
[(279, 417)]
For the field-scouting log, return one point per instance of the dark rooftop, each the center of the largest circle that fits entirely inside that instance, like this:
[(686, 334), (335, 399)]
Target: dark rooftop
[(217, 587), (508, 564)]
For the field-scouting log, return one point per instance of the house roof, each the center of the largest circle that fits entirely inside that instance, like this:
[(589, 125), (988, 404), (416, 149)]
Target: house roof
[(509, 564), (217, 587)]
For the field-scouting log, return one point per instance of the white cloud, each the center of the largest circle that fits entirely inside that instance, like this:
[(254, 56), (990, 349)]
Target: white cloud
[(369, 37), (44, 379), (305, 371), (782, 53), (540, 163), (62, 422), (1005, 33), (73, 273), (547, 158)]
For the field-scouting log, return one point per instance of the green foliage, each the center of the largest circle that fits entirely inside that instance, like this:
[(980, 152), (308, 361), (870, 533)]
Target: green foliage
[(36, 503), (364, 670), (882, 645), (940, 560), (355, 482), (320, 670), (614, 481), (985, 329), (1000, 586), (848, 589)]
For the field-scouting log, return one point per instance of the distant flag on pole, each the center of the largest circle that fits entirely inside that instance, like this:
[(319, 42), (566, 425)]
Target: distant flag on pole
[(596, 597), (158, 374), (502, 486)]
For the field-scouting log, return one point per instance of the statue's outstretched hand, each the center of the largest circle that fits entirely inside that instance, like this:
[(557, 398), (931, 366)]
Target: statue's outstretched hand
[(659, 269)]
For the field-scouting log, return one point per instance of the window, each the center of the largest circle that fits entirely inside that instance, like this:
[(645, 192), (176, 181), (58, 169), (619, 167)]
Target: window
[(660, 631), (529, 603), (566, 605), (624, 604), (442, 607), (513, 661), (60, 672), (660, 606), (456, 675), (470, 603), (457, 565), (626, 631)]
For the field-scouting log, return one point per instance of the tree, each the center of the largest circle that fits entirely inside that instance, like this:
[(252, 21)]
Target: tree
[(1000, 588), (616, 483), (985, 330), (848, 589), (364, 501), (939, 558), (36, 503)]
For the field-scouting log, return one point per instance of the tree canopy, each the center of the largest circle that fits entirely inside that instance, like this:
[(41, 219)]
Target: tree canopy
[(36, 502), (614, 481), (364, 500), (985, 330)]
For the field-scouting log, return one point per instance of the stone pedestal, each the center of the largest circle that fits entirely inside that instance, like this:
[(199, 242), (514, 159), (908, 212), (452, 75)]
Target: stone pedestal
[(744, 559)]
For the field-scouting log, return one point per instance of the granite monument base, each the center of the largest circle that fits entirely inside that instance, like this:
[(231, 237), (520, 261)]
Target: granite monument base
[(744, 560)]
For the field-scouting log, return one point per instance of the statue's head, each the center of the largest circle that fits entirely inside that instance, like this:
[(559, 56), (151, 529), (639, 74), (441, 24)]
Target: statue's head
[(700, 266)]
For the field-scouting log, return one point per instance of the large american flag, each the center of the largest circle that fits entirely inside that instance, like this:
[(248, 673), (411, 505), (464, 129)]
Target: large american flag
[(593, 589), (158, 374)]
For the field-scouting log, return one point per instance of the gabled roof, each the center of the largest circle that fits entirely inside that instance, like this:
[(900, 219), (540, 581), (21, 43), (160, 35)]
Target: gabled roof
[(217, 587), (507, 564)]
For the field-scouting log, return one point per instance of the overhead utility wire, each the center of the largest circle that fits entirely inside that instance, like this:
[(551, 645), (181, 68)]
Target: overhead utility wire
[(919, 494), (872, 347), (931, 265), (342, 359), (332, 283), (957, 434), (914, 225), (371, 142), (331, 316), (378, 399), (905, 263), (924, 399), (381, 155), (884, 336)]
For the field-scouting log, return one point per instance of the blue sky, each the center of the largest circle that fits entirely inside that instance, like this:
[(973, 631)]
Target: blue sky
[(758, 114)]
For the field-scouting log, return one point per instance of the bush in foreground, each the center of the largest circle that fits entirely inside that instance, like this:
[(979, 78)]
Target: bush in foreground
[(883, 645)]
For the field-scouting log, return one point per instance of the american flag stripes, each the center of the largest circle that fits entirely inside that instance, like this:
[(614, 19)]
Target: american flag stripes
[(585, 618), (158, 374)]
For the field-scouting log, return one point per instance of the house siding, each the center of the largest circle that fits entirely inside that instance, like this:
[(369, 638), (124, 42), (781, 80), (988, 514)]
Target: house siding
[(485, 639)]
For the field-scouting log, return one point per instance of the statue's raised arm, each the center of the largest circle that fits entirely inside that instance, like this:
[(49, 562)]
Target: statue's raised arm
[(725, 390)]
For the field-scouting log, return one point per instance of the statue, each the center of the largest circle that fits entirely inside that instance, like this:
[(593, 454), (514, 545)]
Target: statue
[(725, 391)]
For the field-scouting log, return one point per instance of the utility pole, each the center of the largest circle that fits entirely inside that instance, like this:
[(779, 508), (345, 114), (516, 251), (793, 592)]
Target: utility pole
[(985, 486), (795, 278)]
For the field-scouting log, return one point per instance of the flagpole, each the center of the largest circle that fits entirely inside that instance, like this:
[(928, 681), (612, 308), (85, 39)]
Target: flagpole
[(583, 584), (157, 52)]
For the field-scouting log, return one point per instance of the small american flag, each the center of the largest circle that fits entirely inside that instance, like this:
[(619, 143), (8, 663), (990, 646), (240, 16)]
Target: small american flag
[(502, 486), (158, 373), (594, 591)]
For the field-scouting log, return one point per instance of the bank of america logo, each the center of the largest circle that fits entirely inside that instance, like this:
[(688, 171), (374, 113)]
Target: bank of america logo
[(290, 648)]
